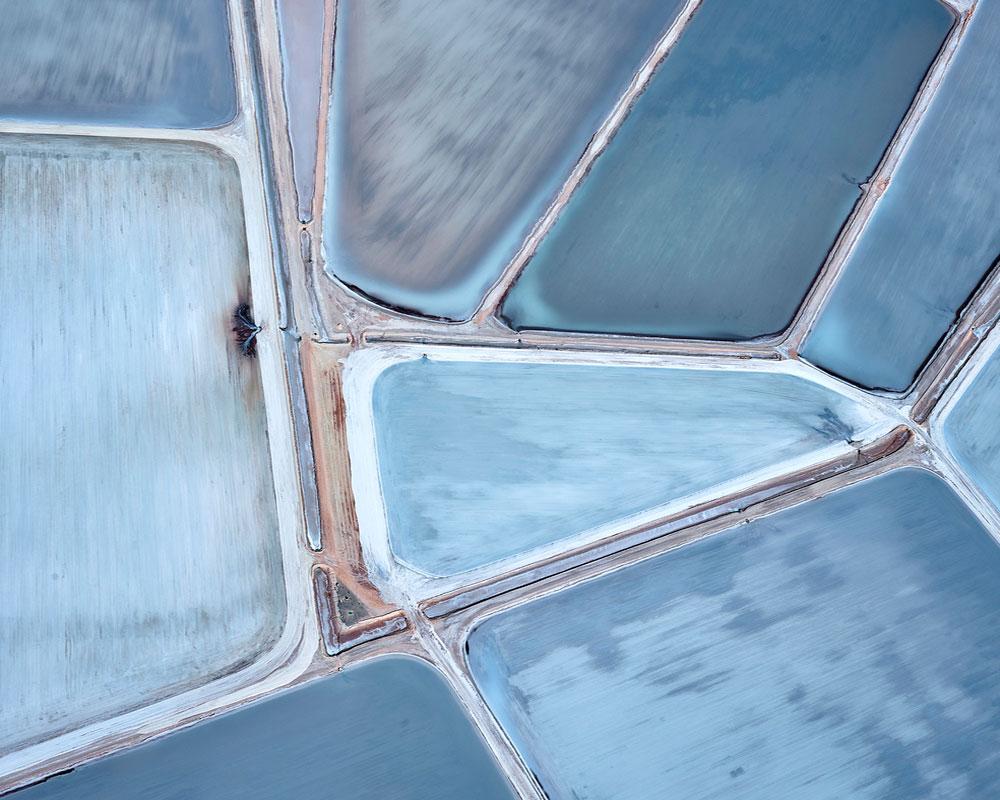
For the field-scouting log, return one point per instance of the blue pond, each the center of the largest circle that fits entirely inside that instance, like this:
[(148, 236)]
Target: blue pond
[(972, 429), (481, 461), (147, 63), (388, 729), (716, 203), (453, 125), (845, 648), (934, 233)]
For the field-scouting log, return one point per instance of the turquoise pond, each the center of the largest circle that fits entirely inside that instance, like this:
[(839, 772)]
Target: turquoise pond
[(714, 207), (388, 729), (842, 648), (972, 429), (482, 461)]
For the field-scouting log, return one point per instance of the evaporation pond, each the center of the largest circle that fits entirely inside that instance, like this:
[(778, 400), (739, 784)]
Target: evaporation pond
[(139, 553), (483, 461), (452, 126), (388, 729), (844, 648), (972, 429), (146, 63)]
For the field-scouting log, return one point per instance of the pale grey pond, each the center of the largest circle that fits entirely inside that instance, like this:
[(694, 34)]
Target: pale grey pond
[(453, 124), (482, 461), (934, 233), (845, 648), (388, 729), (139, 551), (972, 429), (148, 63), (712, 210), (302, 44)]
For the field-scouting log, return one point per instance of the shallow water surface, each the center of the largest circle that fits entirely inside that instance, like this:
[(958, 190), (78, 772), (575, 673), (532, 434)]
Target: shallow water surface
[(138, 533), (972, 429), (934, 233), (147, 63), (712, 210), (454, 123), (843, 648), (483, 461), (388, 729)]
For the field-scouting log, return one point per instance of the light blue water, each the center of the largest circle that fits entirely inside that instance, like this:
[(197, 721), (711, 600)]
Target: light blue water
[(152, 63), (452, 126), (481, 461), (845, 648), (139, 551), (934, 233), (972, 430), (388, 729), (716, 203)]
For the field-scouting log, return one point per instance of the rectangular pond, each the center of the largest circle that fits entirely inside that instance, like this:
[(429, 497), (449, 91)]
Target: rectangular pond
[(842, 648), (714, 207), (147, 63), (139, 551), (388, 729)]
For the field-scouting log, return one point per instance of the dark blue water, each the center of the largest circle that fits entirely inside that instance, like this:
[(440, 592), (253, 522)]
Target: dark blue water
[(453, 125), (972, 429)]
